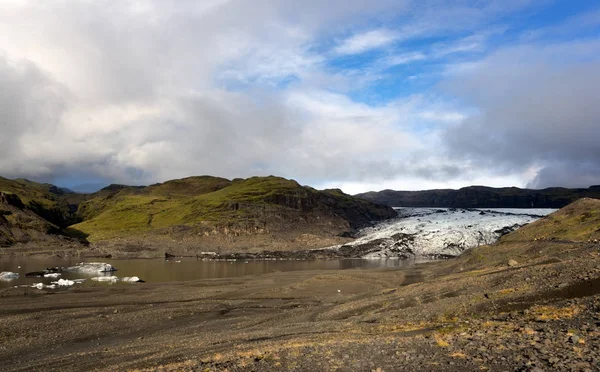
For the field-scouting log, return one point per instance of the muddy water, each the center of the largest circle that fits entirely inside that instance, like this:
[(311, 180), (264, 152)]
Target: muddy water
[(183, 269)]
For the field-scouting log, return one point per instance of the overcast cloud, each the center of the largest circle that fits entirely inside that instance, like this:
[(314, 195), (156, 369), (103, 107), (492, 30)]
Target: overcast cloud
[(354, 94)]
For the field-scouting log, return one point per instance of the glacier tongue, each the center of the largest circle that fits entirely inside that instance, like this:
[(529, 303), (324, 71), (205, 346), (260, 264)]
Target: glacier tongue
[(440, 232)]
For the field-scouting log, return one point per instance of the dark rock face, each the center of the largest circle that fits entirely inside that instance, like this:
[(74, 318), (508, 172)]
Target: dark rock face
[(482, 197), (11, 199)]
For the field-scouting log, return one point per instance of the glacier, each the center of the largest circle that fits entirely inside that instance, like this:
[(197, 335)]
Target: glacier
[(439, 232)]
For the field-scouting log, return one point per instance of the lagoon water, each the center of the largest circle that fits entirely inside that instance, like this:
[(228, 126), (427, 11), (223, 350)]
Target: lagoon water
[(158, 270)]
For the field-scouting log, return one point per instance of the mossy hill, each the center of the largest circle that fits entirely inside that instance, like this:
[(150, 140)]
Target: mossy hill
[(482, 197), (204, 208), (579, 221), (202, 213), (20, 224), (56, 205), (574, 225)]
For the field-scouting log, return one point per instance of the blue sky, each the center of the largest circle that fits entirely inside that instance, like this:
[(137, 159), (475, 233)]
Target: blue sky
[(360, 95)]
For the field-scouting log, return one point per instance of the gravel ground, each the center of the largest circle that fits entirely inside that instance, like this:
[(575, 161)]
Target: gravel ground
[(477, 312)]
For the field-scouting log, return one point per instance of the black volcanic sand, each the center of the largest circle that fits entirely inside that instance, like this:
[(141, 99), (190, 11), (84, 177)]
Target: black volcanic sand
[(470, 313)]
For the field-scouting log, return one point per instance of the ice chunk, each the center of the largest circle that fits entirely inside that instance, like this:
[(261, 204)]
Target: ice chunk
[(111, 279), (8, 275), (52, 275), (64, 282), (38, 285), (92, 268), (131, 279)]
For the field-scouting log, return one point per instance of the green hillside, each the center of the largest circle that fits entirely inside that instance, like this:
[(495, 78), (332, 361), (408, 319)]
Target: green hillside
[(56, 205), (202, 205), (552, 236), (579, 221)]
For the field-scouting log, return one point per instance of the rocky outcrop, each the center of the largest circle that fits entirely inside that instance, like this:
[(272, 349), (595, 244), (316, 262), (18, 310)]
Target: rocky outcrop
[(9, 199), (21, 225)]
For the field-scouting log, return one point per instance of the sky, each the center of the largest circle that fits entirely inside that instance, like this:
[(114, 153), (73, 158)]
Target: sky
[(355, 94)]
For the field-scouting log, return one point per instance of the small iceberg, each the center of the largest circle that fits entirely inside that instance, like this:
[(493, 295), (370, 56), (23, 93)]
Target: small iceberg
[(46, 273), (132, 279), (64, 282), (92, 268), (8, 275), (38, 285), (111, 279)]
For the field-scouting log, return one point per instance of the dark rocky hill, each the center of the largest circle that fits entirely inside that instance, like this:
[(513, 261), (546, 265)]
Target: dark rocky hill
[(482, 197)]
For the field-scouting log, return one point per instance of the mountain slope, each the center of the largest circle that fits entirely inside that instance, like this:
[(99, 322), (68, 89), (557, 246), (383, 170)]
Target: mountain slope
[(52, 203), (22, 227), (482, 197), (549, 238), (579, 221), (248, 214)]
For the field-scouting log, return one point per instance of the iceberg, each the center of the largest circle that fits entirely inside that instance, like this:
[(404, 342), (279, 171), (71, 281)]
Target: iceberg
[(64, 282), (132, 279), (92, 268), (111, 279), (52, 275), (8, 275)]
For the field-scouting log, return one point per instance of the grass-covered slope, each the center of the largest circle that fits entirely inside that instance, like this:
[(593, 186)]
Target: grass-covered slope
[(54, 204), (19, 225), (579, 221), (555, 235), (199, 208)]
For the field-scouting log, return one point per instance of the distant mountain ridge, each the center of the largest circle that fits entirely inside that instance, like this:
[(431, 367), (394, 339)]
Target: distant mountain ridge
[(482, 197)]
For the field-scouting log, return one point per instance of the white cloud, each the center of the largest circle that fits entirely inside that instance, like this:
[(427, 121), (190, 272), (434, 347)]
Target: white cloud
[(401, 59), (144, 91), (536, 108), (366, 41)]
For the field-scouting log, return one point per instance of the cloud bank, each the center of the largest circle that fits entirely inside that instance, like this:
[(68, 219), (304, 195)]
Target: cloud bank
[(353, 94)]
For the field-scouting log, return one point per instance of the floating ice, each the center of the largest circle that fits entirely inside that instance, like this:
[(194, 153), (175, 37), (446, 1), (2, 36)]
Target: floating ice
[(52, 275), (64, 282), (131, 279), (92, 268), (8, 275), (38, 285), (105, 279)]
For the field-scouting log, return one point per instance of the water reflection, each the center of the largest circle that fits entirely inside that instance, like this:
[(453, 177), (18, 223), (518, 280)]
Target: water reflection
[(184, 269)]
